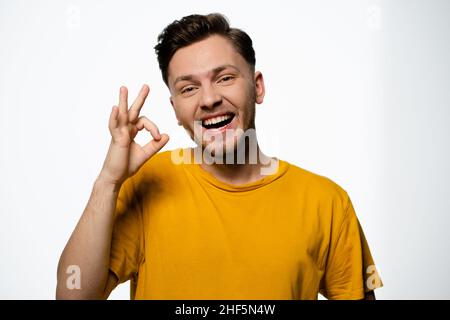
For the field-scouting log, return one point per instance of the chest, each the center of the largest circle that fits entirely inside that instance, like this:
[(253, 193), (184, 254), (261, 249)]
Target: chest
[(272, 236)]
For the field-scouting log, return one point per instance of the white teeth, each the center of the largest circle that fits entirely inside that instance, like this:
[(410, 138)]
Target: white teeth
[(216, 120)]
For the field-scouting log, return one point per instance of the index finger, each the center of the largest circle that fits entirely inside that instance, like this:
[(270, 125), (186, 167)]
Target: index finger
[(135, 108)]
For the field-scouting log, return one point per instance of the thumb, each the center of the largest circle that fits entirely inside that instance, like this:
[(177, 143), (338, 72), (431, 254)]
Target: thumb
[(155, 145)]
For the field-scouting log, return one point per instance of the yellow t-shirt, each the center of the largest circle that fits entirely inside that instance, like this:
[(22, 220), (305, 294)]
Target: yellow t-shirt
[(180, 233)]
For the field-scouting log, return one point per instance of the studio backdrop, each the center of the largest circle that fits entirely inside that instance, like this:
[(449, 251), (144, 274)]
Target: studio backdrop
[(356, 90)]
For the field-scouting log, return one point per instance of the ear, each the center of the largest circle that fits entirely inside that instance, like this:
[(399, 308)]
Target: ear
[(260, 89), (173, 107)]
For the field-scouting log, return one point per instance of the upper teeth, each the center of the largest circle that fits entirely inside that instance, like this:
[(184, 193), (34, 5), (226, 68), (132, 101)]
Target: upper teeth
[(216, 119)]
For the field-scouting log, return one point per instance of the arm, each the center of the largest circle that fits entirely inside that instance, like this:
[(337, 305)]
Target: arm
[(370, 295), (89, 245)]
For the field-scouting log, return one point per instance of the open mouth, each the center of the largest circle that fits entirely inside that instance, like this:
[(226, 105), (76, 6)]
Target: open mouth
[(218, 122)]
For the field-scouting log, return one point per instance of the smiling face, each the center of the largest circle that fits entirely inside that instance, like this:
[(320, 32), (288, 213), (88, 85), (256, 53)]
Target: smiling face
[(212, 85)]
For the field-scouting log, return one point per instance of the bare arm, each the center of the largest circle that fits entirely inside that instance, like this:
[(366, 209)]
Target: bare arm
[(88, 248), (370, 295)]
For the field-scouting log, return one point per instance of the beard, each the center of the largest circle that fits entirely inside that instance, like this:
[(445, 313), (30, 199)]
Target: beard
[(231, 146), (228, 144)]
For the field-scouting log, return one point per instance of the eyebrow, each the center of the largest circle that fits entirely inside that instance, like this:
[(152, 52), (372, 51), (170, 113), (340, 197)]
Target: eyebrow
[(214, 71)]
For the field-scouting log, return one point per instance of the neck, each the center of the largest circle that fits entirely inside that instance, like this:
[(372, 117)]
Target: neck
[(238, 173)]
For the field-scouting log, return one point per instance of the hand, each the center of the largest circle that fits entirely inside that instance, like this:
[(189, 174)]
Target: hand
[(125, 156)]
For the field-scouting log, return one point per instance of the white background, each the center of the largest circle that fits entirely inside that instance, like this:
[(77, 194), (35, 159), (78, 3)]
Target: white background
[(357, 91)]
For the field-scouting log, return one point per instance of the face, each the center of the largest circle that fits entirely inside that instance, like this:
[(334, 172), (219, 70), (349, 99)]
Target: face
[(214, 91)]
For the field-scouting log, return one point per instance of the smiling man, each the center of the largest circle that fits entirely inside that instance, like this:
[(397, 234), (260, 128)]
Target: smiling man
[(221, 220)]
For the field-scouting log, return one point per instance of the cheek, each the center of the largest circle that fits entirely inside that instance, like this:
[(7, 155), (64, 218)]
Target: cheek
[(238, 97), (185, 111), (243, 100)]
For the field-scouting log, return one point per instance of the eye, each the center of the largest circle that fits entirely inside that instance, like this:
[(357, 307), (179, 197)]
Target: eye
[(226, 78), (187, 89)]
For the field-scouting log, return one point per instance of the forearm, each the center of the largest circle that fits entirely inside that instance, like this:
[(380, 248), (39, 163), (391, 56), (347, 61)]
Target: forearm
[(369, 295), (89, 246), (88, 249)]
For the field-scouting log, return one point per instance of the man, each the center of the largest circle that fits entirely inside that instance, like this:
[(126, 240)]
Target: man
[(222, 220)]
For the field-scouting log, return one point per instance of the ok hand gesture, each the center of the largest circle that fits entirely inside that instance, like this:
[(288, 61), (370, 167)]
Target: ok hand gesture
[(125, 156)]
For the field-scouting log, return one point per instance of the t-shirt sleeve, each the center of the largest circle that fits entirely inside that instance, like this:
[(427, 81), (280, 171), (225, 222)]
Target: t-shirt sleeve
[(127, 238), (350, 270)]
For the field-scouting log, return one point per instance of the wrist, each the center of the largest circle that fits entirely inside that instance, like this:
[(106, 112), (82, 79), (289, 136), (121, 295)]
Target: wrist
[(107, 183)]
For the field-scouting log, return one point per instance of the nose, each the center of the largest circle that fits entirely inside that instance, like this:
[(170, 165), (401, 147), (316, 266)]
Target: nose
[(209, 98)]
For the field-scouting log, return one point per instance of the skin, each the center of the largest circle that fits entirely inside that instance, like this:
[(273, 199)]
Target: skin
[(94, 229), (215, 78), (235, 89), (370, 296)]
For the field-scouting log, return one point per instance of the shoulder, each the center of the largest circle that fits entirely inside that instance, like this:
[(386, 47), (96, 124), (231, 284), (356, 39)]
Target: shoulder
[(328, 200), (315, 183), (159, 168), (313, 190), (162, 158)]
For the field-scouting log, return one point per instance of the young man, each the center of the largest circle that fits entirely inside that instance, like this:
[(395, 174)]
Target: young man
[(222, 220)]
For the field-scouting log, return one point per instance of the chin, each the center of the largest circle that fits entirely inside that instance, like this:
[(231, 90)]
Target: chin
[(218, 150), (223, 152)]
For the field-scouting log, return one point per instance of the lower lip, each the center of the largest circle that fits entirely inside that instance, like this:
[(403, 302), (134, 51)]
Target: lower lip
[(221, 129)]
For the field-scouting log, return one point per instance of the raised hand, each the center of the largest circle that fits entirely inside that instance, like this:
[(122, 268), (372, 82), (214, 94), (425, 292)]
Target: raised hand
[(125, 156)]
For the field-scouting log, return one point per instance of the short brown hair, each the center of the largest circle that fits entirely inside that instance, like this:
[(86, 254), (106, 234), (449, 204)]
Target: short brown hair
[(194, 28)]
